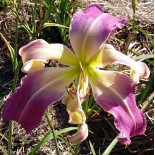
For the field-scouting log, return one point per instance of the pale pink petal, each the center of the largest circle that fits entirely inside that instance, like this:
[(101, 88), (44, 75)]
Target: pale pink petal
[(80, 135), (38, 52), (71, 103), (109, 55), (114, 92), (90, 28), (38, 90)]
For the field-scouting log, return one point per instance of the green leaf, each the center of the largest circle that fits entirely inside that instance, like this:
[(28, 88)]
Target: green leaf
[(146, 90), (147, 35), (110, 147), (147, 102), (12, 52), (92, 148), (48, 137), (54, 24), (144, 57), (67, 144), (3, 137)]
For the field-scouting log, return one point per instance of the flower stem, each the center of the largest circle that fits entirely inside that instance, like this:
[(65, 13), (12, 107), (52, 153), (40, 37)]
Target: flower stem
[(134, 3), (16, 71), (49, 121), (34, 21), (10, 137), (10, 122)]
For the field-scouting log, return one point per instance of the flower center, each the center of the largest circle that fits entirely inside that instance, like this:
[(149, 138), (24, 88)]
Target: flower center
[(82, 88)]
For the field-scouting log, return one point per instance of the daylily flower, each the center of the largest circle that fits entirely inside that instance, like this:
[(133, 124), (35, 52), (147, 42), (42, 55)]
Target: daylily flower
[(113, 91)]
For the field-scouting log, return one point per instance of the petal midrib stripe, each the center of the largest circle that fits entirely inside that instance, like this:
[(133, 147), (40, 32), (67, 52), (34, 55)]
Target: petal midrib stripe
[(89, 29), (125, 103), (48, 84)]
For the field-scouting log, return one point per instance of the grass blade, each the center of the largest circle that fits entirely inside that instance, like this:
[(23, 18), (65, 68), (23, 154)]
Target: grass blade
[(110, 147), (48, 137), (146, 35), (147, 102), (3, 150), (54, 24), (92, 148), (144, 57), (11, 50), (143, 94), (3, 137)]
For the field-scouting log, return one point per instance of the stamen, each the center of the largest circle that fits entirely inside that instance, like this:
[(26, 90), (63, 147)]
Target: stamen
[(72, 91), (82, 71)]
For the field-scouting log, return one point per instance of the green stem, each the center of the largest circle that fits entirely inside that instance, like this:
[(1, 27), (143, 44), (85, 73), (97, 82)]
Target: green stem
[(16, 71), (16, 34), (134, 4), (10, 137), (34, 21), (46, 16), (49, 121), (24, 23), (10, 122), (131, 35)]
